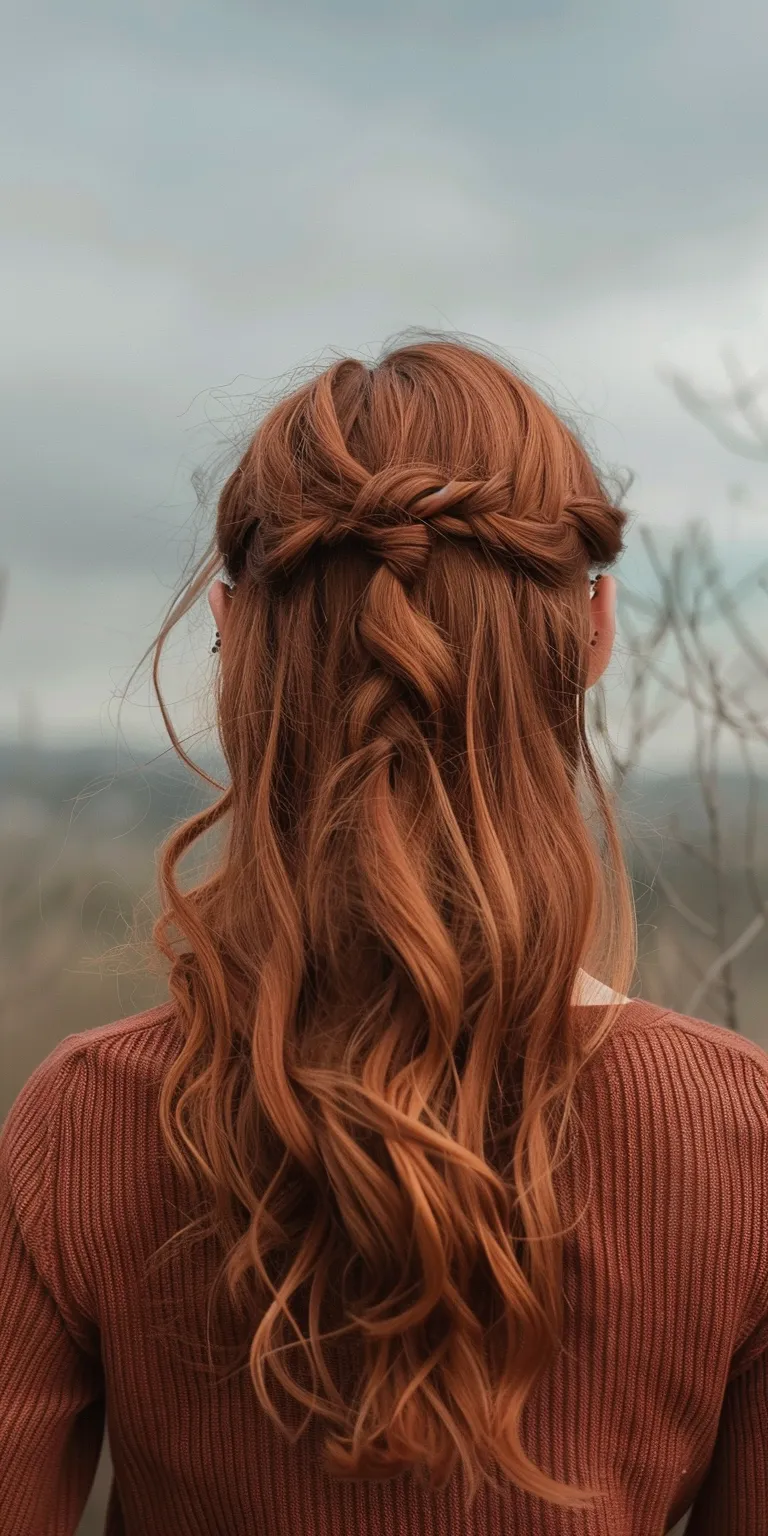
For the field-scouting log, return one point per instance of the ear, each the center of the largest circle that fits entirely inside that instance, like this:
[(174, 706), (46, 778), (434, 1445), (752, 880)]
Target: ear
[(603, 615), (219, 599)]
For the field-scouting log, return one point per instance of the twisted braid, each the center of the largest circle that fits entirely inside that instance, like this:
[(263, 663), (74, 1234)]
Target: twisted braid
[(397, 513), (274, 511), (326, 497)]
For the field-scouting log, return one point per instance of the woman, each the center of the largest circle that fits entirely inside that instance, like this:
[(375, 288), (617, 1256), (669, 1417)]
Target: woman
[(399, 1216)]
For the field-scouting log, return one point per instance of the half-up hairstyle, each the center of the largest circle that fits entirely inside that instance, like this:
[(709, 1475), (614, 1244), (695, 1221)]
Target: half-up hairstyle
[(375, 984)]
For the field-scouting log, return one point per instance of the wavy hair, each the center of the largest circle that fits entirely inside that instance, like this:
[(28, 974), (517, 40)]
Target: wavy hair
[(375, 983)]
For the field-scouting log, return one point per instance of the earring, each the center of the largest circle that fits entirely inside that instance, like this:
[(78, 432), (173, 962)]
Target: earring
[(216, 644), (593, 584)]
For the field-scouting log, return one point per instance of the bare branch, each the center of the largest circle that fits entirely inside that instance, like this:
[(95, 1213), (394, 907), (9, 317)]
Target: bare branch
[(724, 961), (714, 410)]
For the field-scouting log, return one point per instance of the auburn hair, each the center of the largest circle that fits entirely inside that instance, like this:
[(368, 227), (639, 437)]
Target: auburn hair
[(375, 982)]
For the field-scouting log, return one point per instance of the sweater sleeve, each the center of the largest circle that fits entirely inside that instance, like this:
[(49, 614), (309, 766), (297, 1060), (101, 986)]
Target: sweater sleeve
[(51, 1378), (734, 1495), (733, 1499)]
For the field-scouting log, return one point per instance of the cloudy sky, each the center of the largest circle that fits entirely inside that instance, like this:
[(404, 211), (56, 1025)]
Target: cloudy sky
[(199, 195)]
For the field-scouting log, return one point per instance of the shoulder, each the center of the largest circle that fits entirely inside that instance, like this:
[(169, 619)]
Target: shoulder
[(52, 1121), (699, 1096), (86, 1058), (688, 1095), (693, 1094), (58, 1141), (130, 1037), (689, 1046)]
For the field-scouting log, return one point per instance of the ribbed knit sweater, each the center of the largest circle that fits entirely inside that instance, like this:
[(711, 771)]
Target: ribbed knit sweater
[(660, 1391)]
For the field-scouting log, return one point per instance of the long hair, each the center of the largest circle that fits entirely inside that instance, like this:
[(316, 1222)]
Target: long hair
[(375, 984)]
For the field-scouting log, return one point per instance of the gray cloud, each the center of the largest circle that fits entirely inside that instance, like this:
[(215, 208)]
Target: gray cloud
[(198, 195)]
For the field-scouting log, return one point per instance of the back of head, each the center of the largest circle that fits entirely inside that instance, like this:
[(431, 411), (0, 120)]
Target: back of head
[(376, 980)]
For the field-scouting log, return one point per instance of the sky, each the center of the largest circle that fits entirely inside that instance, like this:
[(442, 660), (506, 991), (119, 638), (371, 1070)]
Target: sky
[(200, 196)]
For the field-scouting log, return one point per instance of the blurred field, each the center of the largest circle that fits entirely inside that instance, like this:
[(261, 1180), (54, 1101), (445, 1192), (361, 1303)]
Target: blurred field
[(78, 843)]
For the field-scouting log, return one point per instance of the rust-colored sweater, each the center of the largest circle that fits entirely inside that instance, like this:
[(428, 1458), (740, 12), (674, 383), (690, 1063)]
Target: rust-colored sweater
[(661, 1391)]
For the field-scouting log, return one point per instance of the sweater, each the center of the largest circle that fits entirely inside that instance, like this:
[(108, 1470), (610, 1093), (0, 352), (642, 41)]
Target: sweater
[(660, 1391)]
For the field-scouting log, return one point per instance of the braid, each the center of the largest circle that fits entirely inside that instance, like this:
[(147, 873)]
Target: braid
[(545, 528), (398, 513)]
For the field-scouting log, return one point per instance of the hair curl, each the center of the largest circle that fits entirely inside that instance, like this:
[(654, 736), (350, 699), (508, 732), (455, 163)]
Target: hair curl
[(374, 986)]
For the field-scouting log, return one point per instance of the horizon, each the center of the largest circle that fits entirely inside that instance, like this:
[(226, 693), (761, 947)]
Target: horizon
[(33, 716)]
